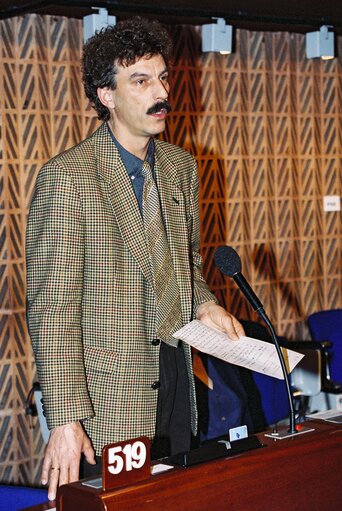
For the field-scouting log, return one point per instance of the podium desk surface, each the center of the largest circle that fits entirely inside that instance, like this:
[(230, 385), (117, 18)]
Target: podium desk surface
[(301, 473)]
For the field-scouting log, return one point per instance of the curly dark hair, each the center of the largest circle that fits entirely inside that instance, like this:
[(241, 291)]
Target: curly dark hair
[(121, 44)]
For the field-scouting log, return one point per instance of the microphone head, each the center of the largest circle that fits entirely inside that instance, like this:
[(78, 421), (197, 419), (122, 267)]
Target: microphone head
[(227, 261)]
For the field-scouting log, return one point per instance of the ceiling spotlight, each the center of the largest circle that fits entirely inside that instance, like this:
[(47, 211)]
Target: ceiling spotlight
[(94, 22), (320, 44), (217, 37)]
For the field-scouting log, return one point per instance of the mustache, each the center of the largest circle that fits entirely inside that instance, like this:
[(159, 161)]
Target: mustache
[(157, 107)]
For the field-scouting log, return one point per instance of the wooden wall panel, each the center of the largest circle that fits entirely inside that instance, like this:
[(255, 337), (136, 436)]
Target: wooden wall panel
[(265, 125), (42, 112)]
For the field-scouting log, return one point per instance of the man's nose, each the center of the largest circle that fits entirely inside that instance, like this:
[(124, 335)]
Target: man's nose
[(161, 90)]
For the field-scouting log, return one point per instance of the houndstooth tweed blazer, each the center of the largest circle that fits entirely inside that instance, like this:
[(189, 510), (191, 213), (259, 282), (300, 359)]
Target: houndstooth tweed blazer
[(90, 302)]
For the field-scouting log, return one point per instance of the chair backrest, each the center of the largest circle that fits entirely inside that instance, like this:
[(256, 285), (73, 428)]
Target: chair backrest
[(13, 498), (306, 376), (225, 405), (41, 417), (327, 326), (273, 398)]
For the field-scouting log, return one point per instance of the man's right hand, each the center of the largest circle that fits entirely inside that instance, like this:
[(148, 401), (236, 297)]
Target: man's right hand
[(63, 454)]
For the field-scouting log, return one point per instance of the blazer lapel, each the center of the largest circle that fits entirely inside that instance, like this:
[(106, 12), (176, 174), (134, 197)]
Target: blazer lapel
[(122, 199), (175, 219)]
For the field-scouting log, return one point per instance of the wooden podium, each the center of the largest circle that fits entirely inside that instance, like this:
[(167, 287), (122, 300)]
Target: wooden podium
[(301, 473)]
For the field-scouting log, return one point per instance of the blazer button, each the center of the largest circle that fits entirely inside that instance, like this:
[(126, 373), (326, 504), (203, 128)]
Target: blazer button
[(155, 342), (155, 385)]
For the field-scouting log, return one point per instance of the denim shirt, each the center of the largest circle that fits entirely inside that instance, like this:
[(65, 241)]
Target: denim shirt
[(134, 165)]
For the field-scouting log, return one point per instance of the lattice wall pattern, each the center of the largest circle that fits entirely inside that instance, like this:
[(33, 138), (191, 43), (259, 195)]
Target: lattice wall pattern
[(265, 125)]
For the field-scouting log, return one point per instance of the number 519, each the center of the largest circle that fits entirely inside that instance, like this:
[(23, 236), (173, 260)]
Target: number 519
[(128, 458)]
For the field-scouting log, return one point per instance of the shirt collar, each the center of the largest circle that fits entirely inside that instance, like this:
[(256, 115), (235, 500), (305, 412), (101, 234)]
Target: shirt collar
[(132, 163)]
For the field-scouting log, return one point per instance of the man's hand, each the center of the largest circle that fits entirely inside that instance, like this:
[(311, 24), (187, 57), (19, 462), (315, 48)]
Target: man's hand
[(62, 457), (215, 316)]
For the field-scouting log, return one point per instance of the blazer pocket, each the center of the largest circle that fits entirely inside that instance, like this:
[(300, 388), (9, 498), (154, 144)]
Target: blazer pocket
[(99, 359)]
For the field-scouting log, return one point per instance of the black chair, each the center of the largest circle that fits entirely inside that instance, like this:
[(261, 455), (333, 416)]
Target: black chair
[(326, 328)]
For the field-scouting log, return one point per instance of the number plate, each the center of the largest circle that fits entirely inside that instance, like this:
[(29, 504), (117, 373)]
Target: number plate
[(125, 463)]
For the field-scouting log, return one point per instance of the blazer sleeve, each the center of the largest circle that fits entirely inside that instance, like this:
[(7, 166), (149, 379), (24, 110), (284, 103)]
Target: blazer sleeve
[(54, 258), (201, 292)]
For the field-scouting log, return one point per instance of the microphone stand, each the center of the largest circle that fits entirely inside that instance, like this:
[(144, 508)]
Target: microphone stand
[(228, 262), (264, 316), (292, 428), (258, 307)]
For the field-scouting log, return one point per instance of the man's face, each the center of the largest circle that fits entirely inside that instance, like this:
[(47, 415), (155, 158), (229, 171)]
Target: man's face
[(136, 108)]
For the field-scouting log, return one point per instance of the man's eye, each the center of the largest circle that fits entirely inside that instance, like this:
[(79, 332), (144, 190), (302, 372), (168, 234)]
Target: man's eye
[(140, 82)]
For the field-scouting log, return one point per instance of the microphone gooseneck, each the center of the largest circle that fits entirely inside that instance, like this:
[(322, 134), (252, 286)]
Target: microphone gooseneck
[(228, 262)]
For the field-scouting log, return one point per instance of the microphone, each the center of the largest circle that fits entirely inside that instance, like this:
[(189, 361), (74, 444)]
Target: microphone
[(228, 262)]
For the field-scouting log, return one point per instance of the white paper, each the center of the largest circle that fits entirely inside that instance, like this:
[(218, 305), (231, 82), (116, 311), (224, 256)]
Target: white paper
[(247, 352), (334, 415), (160, 467)]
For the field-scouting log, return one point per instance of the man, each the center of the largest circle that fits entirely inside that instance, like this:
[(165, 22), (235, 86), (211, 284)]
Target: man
[(94, 306)]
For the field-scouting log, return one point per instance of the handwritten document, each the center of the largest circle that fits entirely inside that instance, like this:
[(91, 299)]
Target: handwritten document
[(257, 355)]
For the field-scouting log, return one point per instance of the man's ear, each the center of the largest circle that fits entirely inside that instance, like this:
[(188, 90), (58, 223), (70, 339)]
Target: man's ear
[(106, 97)]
